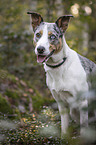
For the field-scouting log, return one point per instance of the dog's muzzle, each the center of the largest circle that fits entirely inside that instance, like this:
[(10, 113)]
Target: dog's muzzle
[(40, 49), (41, 57)]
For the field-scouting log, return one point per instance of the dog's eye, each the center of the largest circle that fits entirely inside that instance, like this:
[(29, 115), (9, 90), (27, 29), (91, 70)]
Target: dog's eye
[(52, 37), (38, 35)]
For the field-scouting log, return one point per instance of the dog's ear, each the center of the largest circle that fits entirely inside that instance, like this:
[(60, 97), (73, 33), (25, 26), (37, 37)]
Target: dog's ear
[(62, 22), (36, 19)]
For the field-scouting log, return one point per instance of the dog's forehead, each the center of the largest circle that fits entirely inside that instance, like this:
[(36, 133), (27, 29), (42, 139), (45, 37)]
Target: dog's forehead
[(53, 27), (49, 26)]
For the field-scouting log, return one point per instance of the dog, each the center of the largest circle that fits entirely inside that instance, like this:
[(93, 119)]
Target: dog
[(66, 71)]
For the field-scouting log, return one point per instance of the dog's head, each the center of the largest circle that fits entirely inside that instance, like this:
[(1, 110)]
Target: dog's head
[(48, 36)]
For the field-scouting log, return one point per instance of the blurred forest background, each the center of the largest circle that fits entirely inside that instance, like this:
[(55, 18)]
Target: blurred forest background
[(23, 90)]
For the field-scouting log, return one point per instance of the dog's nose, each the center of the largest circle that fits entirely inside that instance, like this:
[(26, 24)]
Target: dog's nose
[(40, 49)]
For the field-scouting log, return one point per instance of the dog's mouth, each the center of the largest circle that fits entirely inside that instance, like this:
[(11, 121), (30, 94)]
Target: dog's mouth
[(41, 58), (44, 58)]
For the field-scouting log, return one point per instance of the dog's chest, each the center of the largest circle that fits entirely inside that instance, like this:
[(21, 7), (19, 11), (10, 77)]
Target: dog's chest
[(58, 81), (67, 80)]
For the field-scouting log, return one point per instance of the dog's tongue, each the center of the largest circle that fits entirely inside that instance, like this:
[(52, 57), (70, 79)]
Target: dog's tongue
[(40, 58)]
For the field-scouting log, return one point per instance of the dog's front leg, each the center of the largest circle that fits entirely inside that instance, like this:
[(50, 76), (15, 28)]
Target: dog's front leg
[(64, 114), (83, 116), (64, 118)]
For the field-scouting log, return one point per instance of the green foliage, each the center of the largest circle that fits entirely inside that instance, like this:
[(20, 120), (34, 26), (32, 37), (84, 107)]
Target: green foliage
[(12, 94), (5, 107), (18, 95)]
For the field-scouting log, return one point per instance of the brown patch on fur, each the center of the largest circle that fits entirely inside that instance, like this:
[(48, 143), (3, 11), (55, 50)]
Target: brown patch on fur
[(41, 32), (49, 33), (57, 47)]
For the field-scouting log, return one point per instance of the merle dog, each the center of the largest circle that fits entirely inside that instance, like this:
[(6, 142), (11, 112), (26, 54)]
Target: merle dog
[(66, 71)]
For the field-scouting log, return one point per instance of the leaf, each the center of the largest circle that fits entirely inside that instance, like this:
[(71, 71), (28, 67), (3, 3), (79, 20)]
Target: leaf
[(30, 90), (23, 83)]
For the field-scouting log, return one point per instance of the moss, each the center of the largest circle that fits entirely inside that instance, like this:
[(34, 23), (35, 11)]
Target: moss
[(3, 74), (16, 111), (5, 106), (12, 78), (12, 94), (38, 100), (18, 92)]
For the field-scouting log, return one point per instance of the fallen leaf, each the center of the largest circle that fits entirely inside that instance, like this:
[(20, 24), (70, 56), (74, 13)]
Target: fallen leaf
[(25, 95), (30, 90), (23, 83)]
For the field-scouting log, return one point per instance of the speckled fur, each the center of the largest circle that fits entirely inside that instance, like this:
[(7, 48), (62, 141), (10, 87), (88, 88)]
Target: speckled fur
[(88, 65)]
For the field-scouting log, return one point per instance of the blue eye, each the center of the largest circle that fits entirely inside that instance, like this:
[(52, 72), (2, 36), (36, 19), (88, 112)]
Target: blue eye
[(52, 37)]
